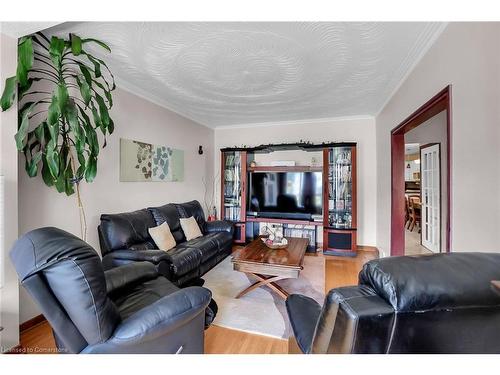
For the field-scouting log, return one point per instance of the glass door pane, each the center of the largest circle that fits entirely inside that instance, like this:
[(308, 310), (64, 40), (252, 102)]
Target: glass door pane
[(340, 188), (232, 185)]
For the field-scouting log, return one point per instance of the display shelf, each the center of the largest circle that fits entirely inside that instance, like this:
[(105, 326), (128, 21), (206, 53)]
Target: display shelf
[(233, 196), (339, 196)]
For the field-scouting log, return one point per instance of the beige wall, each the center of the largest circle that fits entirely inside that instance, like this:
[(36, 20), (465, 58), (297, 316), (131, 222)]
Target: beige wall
[(135, 118), (467, 56), (361, 131), (9, 293)]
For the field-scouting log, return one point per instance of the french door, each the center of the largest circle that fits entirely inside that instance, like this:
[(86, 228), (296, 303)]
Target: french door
[(430, 175)]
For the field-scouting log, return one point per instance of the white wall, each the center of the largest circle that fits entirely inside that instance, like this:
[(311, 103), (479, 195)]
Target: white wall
[(361, 131), (467, 56), (138, 119), (9, 295)]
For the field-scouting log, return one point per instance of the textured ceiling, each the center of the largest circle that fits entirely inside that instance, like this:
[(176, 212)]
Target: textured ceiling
[(222, 74)]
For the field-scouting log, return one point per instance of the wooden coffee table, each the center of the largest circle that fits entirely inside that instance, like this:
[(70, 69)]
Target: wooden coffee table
[(268, 265)]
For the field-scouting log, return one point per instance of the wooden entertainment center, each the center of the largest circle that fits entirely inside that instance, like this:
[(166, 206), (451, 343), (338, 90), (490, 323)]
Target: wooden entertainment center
[(338, 221)]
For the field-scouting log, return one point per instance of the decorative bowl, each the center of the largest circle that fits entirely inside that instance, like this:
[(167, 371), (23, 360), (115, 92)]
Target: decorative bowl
[(275, 244)]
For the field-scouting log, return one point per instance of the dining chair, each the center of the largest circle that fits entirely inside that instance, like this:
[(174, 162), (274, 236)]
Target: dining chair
[(415, 217)]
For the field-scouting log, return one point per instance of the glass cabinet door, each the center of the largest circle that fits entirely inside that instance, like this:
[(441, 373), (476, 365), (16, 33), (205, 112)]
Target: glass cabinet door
[(340, 189), (232, 193)]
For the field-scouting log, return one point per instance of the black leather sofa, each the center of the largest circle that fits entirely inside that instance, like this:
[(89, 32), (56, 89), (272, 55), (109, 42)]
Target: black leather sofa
[(124, 238), (441, 303), (129, 309)]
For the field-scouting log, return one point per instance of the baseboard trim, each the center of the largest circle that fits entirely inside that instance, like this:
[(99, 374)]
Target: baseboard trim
[(31, 323), (369, 248)]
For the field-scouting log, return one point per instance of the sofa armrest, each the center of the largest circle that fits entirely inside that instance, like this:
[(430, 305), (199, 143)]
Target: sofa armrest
[(354, 319), (153, 256), (156, 321), (219, 226), (119, 277), (303, 313)]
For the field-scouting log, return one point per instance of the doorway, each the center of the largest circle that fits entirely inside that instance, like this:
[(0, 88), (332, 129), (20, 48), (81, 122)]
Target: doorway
[(429, 218)]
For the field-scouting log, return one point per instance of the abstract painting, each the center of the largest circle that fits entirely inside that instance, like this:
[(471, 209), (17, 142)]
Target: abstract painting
[(146, 162)]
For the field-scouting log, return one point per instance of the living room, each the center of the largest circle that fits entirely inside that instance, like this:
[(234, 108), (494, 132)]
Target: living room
[(243, 187)]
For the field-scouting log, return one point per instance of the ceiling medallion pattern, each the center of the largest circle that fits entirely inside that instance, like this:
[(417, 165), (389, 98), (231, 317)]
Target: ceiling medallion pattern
[(221, 74)]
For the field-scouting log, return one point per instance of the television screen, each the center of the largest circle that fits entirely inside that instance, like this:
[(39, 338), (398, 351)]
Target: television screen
[(285, 194)]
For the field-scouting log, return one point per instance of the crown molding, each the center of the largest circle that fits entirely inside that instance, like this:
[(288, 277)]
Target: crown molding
[(295, 122), (414, 58)]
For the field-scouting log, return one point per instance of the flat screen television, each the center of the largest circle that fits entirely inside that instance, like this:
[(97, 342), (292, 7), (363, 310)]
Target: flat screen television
[(294, 195)]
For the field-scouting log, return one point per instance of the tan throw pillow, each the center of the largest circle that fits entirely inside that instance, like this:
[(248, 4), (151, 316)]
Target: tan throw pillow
[(162, 236), (190, 228)]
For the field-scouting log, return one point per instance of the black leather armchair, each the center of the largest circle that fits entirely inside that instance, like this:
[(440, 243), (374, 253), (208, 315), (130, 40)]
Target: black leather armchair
[(439, 303), (128, 309)]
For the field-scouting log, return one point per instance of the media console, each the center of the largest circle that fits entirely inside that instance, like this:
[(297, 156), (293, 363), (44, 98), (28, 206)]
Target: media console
[(338, 196)]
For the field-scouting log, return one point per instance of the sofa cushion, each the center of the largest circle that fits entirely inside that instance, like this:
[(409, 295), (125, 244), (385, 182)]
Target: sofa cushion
[(143, 294), (162, 237), (169, 214), (190, 228), (440, 281), (194, 209), (206, 245), (125, 230), (184, 259)]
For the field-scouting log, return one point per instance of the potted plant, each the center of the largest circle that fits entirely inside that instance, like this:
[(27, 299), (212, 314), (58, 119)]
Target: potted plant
[(64, 94)]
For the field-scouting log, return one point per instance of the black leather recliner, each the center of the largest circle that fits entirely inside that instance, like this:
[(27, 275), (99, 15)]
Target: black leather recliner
[(129, 309), (439, 303), (124, 238)]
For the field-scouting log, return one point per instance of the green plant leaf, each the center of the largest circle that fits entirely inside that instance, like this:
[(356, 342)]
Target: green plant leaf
[(97, 118), (80, 172), (71, 114), (111, 126), (90, 134), (56, 50), (68, 177), (62, 97), (91, 169), (31, 166), (52, 158), (20, 136), (60, 183), (106, 91), (113, 86), (63, 159), (47, 177), (76, 44), (97, 66), (40, 132), (9, 93), (86, 74), (84, 90), (25, 58), (53, 113), (103, 111), (102, 44)]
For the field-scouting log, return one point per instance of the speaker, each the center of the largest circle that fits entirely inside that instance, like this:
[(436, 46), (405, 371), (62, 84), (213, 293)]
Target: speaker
[(339, 240)]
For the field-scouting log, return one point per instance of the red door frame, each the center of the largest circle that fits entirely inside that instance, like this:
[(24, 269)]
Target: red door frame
[(439, 102)]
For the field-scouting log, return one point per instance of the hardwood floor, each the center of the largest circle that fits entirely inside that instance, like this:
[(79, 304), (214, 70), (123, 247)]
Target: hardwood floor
[(340, 271)]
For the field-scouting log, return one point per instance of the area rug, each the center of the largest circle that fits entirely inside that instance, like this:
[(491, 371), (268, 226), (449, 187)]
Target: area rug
[(261, 311)]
